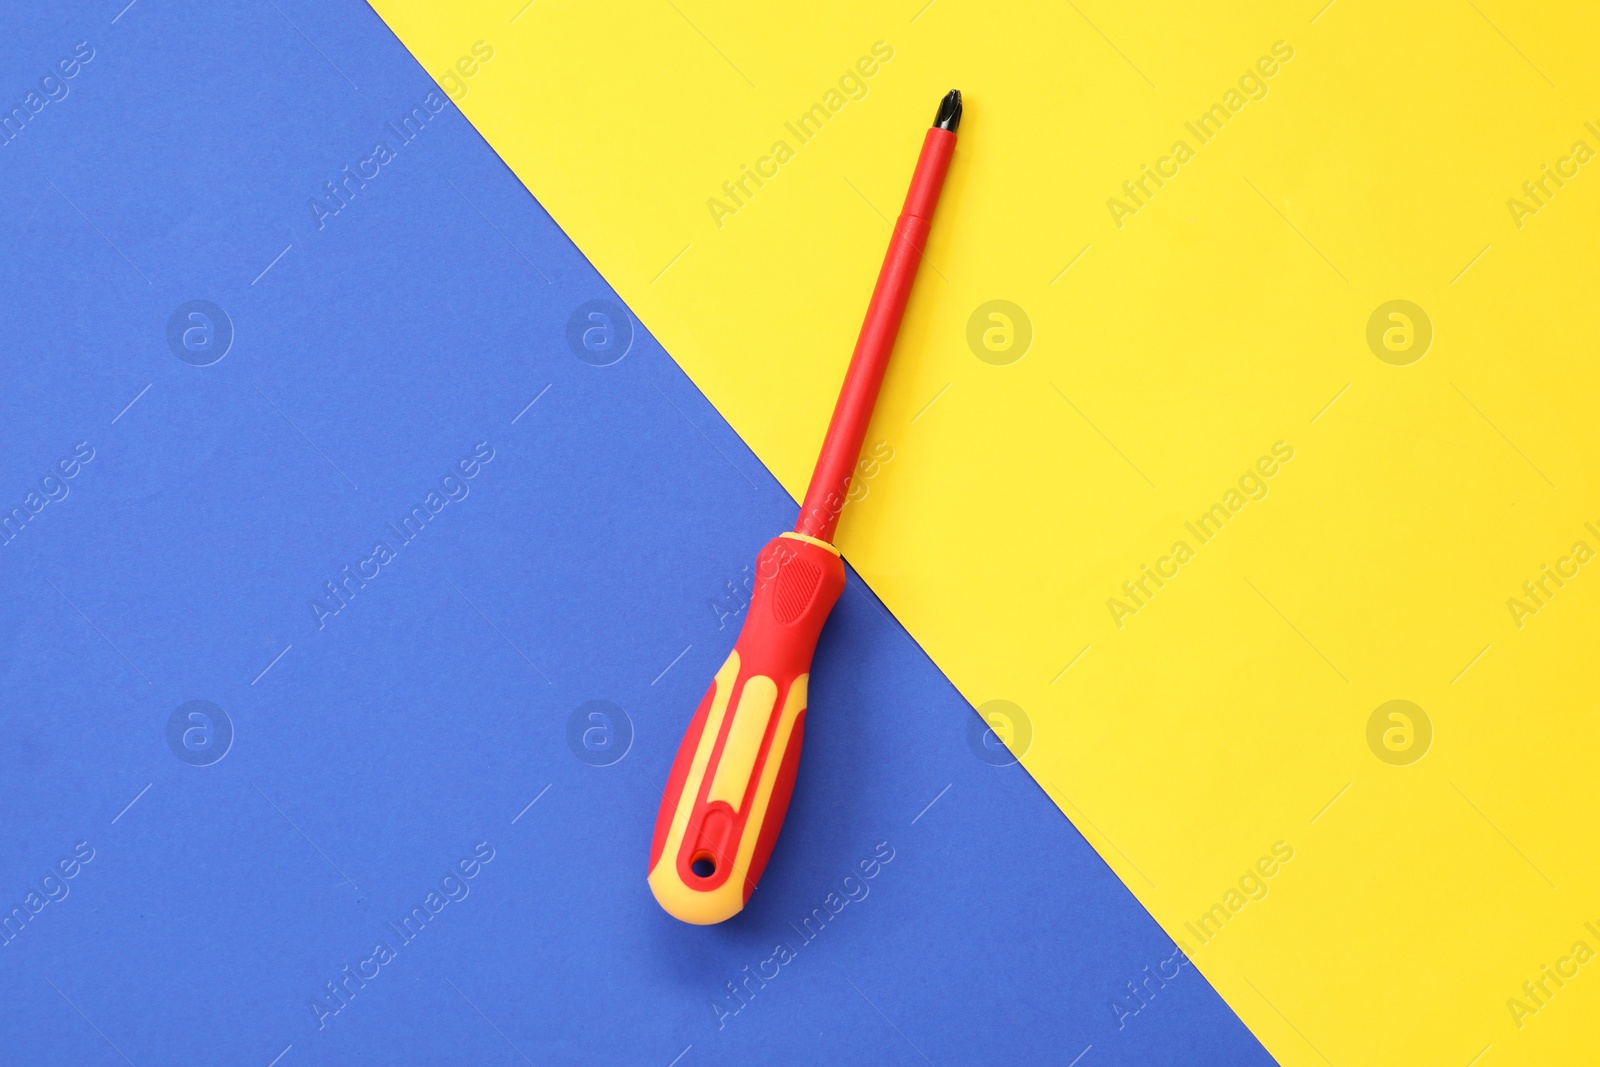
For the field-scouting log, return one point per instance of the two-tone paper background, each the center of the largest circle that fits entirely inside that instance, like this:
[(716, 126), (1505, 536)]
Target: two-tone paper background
[(1184, 327)]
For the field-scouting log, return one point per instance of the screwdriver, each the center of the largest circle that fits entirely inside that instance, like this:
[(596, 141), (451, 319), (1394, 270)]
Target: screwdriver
[(730, 783)]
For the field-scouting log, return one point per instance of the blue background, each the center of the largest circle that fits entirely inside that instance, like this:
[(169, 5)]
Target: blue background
[(372, 753)]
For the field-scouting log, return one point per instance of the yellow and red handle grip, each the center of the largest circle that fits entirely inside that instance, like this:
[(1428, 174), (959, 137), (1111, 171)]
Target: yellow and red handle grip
[(730, 784)]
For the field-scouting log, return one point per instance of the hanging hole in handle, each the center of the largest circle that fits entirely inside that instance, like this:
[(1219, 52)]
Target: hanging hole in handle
[(704, 865)]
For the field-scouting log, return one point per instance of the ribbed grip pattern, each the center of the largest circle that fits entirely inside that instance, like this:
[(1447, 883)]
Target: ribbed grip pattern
[(796, 586)]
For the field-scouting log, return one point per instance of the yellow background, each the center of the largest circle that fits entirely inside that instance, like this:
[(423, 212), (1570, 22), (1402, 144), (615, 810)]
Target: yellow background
[(1224, 316)]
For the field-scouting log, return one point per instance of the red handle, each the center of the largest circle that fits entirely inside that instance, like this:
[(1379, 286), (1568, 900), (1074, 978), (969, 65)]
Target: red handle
[(730, 784)]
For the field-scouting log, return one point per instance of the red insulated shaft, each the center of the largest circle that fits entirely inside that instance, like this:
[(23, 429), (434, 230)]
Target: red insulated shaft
[(830, 480)]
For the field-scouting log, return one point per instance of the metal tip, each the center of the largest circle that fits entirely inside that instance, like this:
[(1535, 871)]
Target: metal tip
[(949, 116)]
